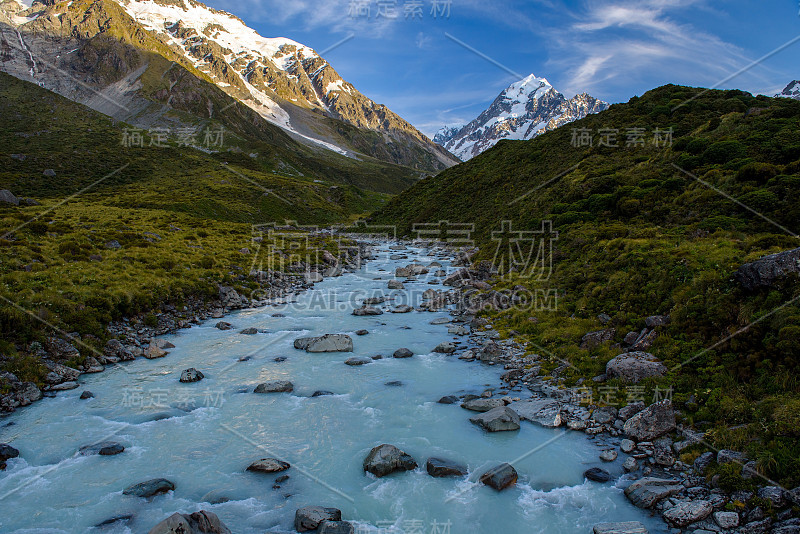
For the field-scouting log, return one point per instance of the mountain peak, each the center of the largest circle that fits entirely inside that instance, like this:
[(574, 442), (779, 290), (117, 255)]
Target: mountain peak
[(525, 109), (792, 90)]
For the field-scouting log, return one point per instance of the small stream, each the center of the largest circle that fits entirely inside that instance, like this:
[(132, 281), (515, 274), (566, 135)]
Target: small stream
[(202, 436)]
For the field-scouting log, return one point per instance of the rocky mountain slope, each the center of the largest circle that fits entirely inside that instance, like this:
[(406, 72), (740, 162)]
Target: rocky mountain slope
[(660, 227), (524, 110), (170, 64), (792, 90)]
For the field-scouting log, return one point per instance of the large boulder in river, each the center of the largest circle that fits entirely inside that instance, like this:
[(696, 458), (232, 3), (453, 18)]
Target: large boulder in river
[(545, 412), (652, 422), (103, 448), (497, 420), (765, 271), (275, 386), (336, 527), (386, 459), (149, 488), (634, 367), (438, 467), (624, 527), (367, 310), (483, 405), (201, 522), (500, 477), (326, 343), (7, 452), (191, 375), (402, 353), (310, 517), (268, 465)]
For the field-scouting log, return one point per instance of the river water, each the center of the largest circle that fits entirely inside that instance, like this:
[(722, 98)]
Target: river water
[(202, 436)]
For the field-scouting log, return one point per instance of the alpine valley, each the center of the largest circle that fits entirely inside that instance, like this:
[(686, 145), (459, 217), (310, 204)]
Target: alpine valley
[(526, 109)]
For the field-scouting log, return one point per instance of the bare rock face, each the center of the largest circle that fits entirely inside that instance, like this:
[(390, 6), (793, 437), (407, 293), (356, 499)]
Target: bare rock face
[(765, 271), (201, 522), (634, 367), (386, 459), (652, 422)]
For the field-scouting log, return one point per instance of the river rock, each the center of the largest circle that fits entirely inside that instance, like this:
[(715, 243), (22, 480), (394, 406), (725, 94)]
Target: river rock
[(627, 446), (402, 353), (7, 452), (336, 527), (149, 488), (115, 349), (652, 422), (703, 461), (326, 343), (366, 311), (440, 320), (497, 420), (689, 512), (358, 360), (386, 459), (646, 492), (445, 348), (632, 367), (626, 412), (630, 465), (448, 399), (500, 477), (726, 519), (275, 386), (64, 386), (103, 448), (438, 467), (490, 352), (402, 308), (362, 332), (483, 405), (201, 522), (396, 284), (87, 395), (153, 351), (595, 474), (322, 393), (223, 325), (310, 517), (608, 455), (249, 331), (625, 527), (191, 375), (545, 412), (268, 465)]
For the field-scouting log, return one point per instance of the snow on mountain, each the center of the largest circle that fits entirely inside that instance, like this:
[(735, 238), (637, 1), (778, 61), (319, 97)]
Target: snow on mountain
[(791, 91), (524, 110), (274, 76)]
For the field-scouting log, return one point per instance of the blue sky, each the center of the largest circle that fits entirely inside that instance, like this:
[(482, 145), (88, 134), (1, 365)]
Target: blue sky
[(613, 49)]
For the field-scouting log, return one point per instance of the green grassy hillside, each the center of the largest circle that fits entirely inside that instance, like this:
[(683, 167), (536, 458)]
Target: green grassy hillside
[(181, 217), (645, 230)]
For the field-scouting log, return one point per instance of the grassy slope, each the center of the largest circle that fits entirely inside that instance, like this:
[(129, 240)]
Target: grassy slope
[(53, 257), (639, 237)]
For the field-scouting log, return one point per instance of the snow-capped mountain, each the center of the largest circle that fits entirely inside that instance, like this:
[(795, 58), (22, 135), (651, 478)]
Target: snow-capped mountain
[(791, 91), (285, 82), (524, 110)]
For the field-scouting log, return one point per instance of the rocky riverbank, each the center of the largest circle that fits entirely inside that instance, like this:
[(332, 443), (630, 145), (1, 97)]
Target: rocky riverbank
[(68, 356), (640, 444)]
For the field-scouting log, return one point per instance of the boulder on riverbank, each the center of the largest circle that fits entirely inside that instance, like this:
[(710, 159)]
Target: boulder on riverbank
[(497, 420), (633, 367), (445, 348), (652, 422), (275, 386), (150, 488), (686, 513), (326, 343), (386, 459), (482, 405), (201, 522), (646, 492), (268, 465), (500, 477), (310, 517), (545, 412)]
